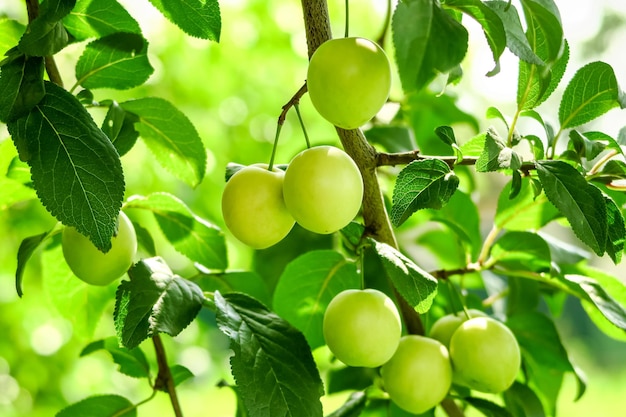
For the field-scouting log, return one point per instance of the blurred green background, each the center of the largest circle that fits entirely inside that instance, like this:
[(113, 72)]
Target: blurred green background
[(233, 93)]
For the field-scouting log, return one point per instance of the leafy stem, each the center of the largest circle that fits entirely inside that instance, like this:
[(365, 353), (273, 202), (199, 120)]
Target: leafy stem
[(32, 10), (509, 139), (164, 380)]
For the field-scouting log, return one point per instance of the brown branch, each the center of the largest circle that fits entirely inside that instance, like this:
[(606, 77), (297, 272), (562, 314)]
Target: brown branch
[(32, 10), (292, 102), (164, 380), (404, 158), (451, 408), (445, 274)]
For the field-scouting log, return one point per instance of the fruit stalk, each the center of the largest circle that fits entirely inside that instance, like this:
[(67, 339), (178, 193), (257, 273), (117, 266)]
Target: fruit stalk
[(377, 223)]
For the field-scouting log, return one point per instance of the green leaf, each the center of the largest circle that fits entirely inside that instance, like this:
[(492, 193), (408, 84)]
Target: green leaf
[(392, 138), (10, 33), (248, 282), (616, 230), (584, 146), (580, 202), (522, 401), (496, 155), (180, 374), (422, 184), (28, 246), (349, 378), (592, 92), (307, 285), (81, 304), (75, 169), (516, 39), (15, 188), (21, 86), (119, 126), (46, 35), (272, 362), (487, 407), (100, 406), (155, 300), (198, 18), (191, 235), (524, 251), (99, 18), (171, 137), (132, 362), (544, 28), (417, 286), (446, 134), (491, 23), (119, 61), (353, 406), (427, 41), (525, 211)]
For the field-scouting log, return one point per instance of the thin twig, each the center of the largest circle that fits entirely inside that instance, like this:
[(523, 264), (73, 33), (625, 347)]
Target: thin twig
[(292, 102), (164, 378)]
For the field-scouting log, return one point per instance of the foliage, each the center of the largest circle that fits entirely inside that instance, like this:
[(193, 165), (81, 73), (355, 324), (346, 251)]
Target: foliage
[(72, 161)]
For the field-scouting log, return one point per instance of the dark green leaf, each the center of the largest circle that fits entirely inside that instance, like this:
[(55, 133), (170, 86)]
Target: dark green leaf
[(523, 295), (580, 202), (422, 184), (194, 237), (427, 40), (131, 362), (592, 92), (350, 378), (100, 406), (525, 211), (583, 146), (616, 230), (487, 407), (248, 282), (392, 138), (523, 401), (272, 362), (75, 169), (516, 40), (119, 126), (28, 246), (198, 18), (524, 251), (21, 86), (119, 61), (99, 18), (352, 407), (155, 300), (171, 137), (446, 134), (307, 285), (491, 23), (180, 374), (46, 35), (417, 286)]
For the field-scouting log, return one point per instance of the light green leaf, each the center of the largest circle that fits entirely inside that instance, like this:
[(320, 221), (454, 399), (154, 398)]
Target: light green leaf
[(75, 169), (544, 27), (14, 189), (248, 282), (524, 212), (272, 363), (119, 61), (427, 40), (171, 137), (100, 406), (155, 300), (99, 18), (307, 285), (496, 155), (198, 18), (523, 401), (392, 138), (180, 374), (524, 251), (580, 202), (422, 184), (592, 92), (131, 362), (10, 33), (417, 286), (191, 235), (353, 406)]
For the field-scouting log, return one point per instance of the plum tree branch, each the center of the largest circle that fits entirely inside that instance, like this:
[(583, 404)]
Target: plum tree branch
[(32, 10), (164, 380)]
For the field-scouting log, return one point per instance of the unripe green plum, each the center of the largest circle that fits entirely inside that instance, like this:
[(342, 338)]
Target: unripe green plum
[(323, 189), (253, 206), (362, 327), (93, 266), (443, 329), (485, 355), (348, 81), (419, 375)]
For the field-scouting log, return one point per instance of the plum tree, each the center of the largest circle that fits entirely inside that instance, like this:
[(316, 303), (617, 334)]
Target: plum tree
[(348, 81), (419, 375), (323, 189), (362, 327), (253, 206), (93, 266)]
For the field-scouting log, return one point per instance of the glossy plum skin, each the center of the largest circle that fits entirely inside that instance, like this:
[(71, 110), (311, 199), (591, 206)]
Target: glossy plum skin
[(362, 327), (419, 375), (323, 189), (253, 207), (93, 266), (349, 81)]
